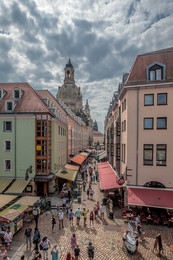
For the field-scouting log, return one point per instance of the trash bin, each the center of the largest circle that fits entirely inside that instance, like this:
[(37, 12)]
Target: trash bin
[(104, 200)]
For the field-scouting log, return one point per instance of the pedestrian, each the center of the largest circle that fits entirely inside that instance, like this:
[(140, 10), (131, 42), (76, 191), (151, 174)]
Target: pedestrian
[(64, 203), (160, 246), (84, 216), (84, 185), (94, 178), (102, 209), (139, 231), (98, 206), (91, 193), (88, 193), (71, 215), (95, 209), (91, 219), (69, 195), (73, 243), (54, 253), (77, 252), (3, 252), (22, 257), (8, 239), (125, 237), (61, 219), (36, 238), (90, 251), (137, 221), (67, 208), (78, 214), (53, 222), (86, 177), (45, 243), (37, 256), (68, 257), (58, 209)]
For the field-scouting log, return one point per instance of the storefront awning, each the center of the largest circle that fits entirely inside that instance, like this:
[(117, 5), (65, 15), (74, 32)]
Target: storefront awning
[(17, 187), (12, 212), (157, 198), (79, 159), (102, 155), (28, 200), (72, 167), (108, 178), (67, 174), (4, 183), (84, 154), (5, 199), (44, 178)]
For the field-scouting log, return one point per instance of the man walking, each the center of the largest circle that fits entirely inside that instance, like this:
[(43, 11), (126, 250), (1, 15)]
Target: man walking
[(27, 234), (61, 218), (78, 214), (102, 212)]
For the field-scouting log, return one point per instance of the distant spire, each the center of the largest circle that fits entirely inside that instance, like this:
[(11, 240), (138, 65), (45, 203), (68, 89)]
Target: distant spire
[(69, 63)]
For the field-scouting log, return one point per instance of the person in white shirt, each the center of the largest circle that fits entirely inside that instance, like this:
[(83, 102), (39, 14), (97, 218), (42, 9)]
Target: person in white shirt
[(102, 210), (61, 218), (8, 239), (46, 245)]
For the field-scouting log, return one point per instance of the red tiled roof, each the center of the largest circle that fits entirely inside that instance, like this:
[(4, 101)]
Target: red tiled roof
[(137, 74), (29, 102)]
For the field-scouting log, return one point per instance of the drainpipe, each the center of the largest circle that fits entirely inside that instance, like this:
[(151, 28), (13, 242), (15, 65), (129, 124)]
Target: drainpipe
[(137, 136), (15, 146)]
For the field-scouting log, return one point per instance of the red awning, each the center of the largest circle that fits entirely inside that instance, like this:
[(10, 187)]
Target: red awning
[(78, 159), (108, 178), (150, 197)]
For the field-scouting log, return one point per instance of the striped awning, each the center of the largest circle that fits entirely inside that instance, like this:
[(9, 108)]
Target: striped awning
[(4, 183), (17, 187), (5, 199)]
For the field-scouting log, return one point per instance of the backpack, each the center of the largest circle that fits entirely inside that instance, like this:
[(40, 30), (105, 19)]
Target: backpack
[(90, 252)]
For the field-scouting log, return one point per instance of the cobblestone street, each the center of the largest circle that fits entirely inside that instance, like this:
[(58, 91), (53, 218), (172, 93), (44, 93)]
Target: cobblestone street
[(106, 236)]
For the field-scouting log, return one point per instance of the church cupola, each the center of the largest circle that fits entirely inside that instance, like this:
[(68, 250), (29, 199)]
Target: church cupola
[(69, 72)]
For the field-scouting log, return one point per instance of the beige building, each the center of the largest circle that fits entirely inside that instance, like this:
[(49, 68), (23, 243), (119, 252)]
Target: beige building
[(98, 138), (139, 127)]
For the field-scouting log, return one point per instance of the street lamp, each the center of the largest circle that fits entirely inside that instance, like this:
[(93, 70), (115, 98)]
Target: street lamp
[(35, 213)]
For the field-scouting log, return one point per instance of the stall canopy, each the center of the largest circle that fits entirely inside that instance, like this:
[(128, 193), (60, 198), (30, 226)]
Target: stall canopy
[(12, 212), (84, 154), (102, 155), (28, 200), (108, 178), (5, 199), (158, 198), (17, 187), (72, 167), (4, 184), (67, 174), (79, 159)]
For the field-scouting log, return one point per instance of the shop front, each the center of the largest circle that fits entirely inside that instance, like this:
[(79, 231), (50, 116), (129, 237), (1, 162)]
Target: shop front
[(12, 217)]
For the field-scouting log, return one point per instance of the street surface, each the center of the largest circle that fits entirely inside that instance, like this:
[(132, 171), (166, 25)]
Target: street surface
[(106, 236)]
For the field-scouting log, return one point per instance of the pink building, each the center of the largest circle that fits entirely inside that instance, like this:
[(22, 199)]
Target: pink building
[(142, 149)]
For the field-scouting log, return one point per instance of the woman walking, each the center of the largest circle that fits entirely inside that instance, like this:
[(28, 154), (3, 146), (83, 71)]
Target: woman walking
[(95, 211), (45, 245), (71, 215), (54, 253), (73, 243), (91, 219)]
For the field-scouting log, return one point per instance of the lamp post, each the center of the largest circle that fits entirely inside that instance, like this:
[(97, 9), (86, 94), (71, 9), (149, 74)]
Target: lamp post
[(35, 213)]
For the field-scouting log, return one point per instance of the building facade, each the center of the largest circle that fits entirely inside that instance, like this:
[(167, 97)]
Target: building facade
[(141, 117)]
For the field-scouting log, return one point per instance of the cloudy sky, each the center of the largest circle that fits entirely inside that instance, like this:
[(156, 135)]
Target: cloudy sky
[(102, 37)]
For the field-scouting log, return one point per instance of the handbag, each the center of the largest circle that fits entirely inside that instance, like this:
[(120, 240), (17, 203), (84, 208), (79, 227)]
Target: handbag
[(41, 247)]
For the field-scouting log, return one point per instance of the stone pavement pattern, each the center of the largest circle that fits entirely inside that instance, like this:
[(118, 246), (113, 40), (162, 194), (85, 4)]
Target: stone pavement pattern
[(106, 237)]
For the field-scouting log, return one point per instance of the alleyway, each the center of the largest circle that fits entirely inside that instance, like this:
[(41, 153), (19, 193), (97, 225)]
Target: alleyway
[(106, 236)]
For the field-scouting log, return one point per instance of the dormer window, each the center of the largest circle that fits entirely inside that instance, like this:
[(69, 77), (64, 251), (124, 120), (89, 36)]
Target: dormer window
[(2, 93), (17, 93), (9, 105), (155, 71)]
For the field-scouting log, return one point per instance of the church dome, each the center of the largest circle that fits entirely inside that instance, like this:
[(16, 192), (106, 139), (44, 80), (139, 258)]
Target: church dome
[(69, 65)]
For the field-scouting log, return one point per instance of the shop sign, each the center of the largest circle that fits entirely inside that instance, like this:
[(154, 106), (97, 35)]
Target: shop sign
[(121, 181), (19, 224)]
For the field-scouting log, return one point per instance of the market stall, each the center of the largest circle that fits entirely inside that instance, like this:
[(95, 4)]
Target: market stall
[(12, 217)]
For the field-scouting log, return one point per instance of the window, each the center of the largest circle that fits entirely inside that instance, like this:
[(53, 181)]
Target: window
[(148, 123), (123, 105), (149, 100), (7, 126), (16, 93), (117, 152), (148, 154), (9, 106), (161, 155), (158, 74), (7, 146), (123, 153), (162, 123), (7, 165), (162, 99), (156, 71), (59, 130)]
